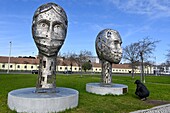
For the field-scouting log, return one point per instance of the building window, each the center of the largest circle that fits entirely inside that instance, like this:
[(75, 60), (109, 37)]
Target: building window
[(113, 70), (75, 68), (99, 69), (96, 69), (65, 68), (18, 66), (79, 68), (3, 66), (10, 66), (25, 67), (61, 68), (31, 67)]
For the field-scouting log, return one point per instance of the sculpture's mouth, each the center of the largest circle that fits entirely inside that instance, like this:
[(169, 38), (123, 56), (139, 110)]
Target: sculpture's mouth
[(49, 41), (48, 46), (48, 50)]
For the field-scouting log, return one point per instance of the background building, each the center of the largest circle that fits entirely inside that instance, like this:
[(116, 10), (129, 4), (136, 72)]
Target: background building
[(27, 64)]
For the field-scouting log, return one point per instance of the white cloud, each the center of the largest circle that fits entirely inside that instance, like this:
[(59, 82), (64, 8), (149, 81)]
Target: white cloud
[(152, 8), (136, 30)]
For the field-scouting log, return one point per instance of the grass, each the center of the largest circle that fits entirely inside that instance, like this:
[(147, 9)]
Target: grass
[(159, 87)]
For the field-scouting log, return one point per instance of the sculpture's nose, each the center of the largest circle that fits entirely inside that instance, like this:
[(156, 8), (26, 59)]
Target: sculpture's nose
[(50, 31)]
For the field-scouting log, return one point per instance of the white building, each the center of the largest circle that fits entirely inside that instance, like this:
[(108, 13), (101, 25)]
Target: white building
[(29, 64)]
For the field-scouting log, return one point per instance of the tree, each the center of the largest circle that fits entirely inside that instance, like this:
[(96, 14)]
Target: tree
[(72, 58), (130, 53), (83, 57), (80, 58), (87, 66), (145, 49), (168, 63), (168, 55)]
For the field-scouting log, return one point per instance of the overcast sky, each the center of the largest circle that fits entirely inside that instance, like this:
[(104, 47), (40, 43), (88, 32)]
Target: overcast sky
[(133, 19)]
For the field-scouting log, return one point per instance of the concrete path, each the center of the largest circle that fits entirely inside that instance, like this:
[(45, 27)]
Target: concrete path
[(158, 109)]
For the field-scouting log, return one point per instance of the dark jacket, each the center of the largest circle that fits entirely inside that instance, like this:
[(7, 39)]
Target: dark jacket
[(141, 90)]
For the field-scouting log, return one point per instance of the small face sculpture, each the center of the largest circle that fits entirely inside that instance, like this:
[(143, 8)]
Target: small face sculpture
[(49, 28), (108, 46)]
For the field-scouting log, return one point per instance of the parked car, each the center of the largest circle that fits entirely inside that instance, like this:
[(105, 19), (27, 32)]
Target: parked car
[(67, 72), (34, 71)]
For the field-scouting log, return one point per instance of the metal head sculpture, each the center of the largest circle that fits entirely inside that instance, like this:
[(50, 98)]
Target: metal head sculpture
[(108, 48), (49, 30)]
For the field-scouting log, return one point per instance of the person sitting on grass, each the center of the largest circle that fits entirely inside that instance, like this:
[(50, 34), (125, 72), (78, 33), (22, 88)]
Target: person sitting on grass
[(141, 91)]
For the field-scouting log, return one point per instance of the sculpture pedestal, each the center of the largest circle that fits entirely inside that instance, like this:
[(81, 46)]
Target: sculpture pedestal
[(114, 89), (26, 100)]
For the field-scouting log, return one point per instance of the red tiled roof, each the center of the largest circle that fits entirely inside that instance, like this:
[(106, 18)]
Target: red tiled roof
[(61, 62), (124, 66), (16, 60)]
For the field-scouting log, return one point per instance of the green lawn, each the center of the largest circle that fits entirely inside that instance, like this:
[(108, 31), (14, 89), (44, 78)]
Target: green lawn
[(159, 87)]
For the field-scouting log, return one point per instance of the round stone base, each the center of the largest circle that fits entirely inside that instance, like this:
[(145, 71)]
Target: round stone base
[(114, 89), (26, 100)]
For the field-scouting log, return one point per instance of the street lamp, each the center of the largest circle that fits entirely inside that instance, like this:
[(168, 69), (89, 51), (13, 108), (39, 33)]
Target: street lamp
[(10, 45), (155, 67)]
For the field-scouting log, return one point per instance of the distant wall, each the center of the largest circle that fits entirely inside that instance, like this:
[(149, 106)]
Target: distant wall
[(30, 67)]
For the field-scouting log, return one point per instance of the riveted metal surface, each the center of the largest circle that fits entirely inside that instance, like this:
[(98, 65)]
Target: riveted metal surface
[(49, 28), (108, 48)]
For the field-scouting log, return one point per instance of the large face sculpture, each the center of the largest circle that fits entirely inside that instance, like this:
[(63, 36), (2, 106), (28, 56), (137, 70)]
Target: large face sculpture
[(108, 46), (49, 28)]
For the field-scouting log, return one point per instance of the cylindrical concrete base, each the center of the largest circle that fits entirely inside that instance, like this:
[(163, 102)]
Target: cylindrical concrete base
[(114, 89), (26, 100)]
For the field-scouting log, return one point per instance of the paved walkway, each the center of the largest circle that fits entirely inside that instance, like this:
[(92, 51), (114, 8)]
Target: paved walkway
[(158, 109)]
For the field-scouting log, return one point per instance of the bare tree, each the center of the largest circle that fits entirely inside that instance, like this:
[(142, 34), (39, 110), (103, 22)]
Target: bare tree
[(80, 58), (72, 58), (145, 48), (83, 57), (168, 63), (168, 55), (130, 53)]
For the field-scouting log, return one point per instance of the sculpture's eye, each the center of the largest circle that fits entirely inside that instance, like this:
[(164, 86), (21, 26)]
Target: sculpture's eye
[(116, 42), (109, 34), (43, 26), (57, 28)]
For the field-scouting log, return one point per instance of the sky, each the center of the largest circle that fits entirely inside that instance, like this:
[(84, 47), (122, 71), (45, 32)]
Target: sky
[(133, 19)]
